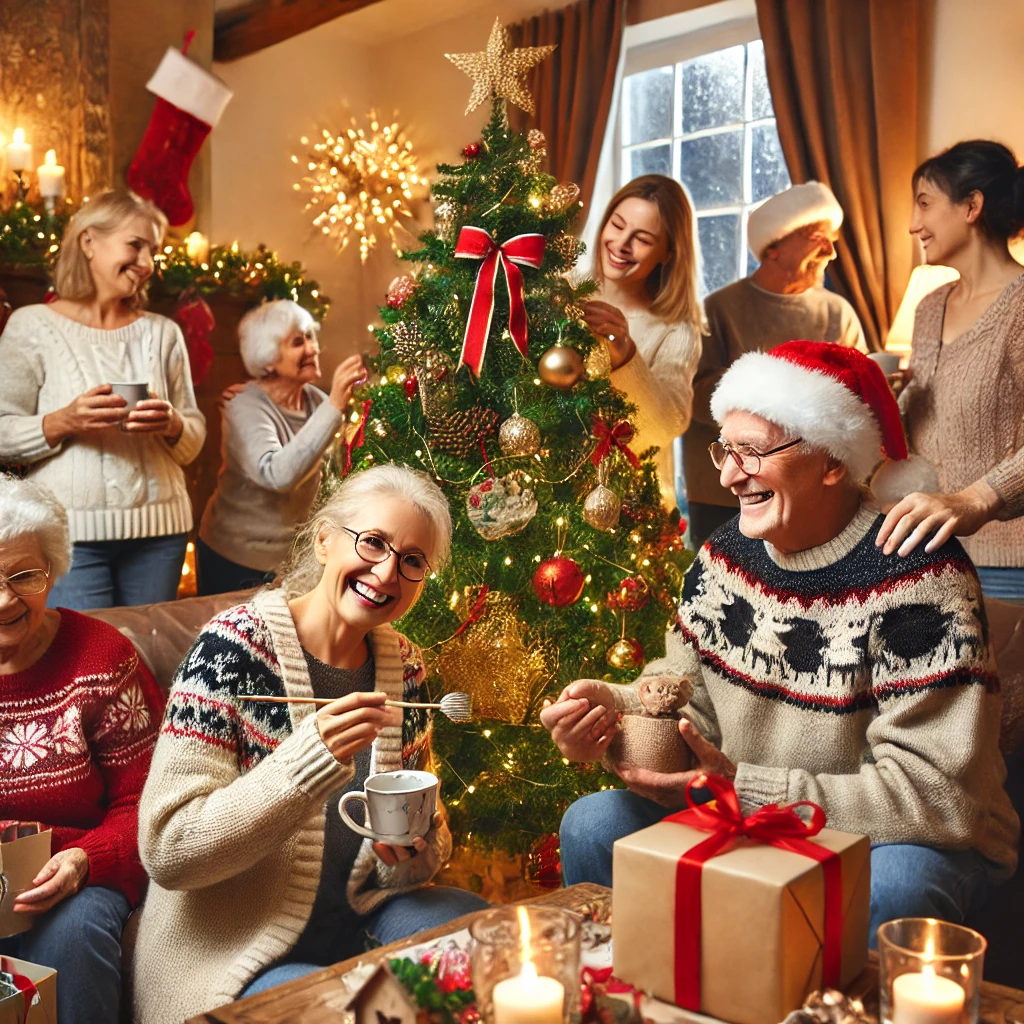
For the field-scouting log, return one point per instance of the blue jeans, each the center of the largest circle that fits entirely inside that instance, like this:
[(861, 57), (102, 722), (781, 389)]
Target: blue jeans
[(906, 881), (106, 573), (81, 939), (1004, 583), (216, 574), (401, 917)]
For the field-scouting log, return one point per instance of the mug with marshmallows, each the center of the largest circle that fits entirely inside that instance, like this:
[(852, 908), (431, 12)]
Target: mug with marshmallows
[(399, 806)]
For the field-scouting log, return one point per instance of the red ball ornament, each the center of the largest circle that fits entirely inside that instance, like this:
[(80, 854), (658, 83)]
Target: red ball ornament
[(682, 525), (472, 151), (558, 582), (410, 386), (624, 431), (630, 595)]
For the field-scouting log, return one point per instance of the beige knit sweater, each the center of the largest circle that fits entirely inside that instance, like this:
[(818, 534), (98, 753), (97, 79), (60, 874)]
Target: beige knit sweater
[(963, 411), (231, 821)]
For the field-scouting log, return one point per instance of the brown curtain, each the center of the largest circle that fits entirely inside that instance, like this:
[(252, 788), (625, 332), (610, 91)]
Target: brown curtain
[(573, 88), (843, 77)]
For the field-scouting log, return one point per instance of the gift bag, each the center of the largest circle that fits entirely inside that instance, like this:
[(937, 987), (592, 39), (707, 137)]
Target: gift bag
[(24, 849)]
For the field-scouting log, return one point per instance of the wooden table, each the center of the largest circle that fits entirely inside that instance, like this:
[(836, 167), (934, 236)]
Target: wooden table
[(318, 998)]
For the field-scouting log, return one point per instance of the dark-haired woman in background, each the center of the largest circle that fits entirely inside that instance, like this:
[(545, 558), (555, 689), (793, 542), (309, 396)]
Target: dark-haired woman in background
[(964, 405)]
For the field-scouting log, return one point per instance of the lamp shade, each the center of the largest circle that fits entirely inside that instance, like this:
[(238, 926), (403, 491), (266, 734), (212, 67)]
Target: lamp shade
[(924, 280)]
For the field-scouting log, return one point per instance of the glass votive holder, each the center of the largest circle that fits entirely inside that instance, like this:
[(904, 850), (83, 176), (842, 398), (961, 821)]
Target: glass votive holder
[(525, 965), (929, 972)]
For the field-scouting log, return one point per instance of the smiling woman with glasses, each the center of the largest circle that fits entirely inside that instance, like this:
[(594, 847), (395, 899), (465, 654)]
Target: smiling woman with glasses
[(243, 796), (78, 720)]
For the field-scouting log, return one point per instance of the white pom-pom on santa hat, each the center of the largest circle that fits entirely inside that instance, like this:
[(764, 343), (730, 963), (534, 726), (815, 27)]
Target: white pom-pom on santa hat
[(796, 207), (834, 398)]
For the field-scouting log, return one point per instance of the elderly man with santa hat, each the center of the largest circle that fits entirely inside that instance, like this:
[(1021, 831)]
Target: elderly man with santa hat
[(793, 236), (822, 668)]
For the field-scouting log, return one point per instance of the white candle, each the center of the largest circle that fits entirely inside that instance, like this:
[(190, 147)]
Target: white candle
[(197, 246), (528, 999), (19, 152), (926, 998), (51, 177)]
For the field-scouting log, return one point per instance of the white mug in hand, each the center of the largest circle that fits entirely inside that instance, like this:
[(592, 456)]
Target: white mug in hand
[(399, 806)]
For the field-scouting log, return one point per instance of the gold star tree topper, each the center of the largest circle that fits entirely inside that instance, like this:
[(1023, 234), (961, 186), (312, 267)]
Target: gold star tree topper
[(500, 70)]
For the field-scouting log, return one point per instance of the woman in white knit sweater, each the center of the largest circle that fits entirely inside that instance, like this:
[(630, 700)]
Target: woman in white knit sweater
[(649, 313), (115, 466)]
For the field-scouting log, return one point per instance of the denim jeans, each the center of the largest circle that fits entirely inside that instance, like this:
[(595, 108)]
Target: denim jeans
[(906, 880), (106, 573), (216, 574), (401, 917), (81, 939), (1004, 583)]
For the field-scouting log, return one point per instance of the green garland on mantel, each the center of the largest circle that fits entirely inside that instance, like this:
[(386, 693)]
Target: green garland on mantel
[(30, 238)]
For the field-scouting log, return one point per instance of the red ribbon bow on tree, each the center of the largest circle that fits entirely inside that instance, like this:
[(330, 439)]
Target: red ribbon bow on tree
[(772, 825), (618, 435), (358, 438), (477, 244)]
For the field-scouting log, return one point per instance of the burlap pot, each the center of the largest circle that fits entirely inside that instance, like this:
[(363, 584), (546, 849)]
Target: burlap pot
[(652, 743)]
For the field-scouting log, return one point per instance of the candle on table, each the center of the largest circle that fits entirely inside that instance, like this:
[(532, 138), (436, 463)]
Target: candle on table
[(51, 177), (528, 998), (19, 152), (197, 247), (924, 997)]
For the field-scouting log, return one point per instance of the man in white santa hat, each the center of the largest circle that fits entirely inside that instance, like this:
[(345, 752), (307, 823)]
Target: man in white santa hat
[(822, 668), (793, 236)]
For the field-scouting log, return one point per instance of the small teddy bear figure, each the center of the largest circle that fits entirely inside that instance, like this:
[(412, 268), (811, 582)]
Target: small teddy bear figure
[(663, 696)]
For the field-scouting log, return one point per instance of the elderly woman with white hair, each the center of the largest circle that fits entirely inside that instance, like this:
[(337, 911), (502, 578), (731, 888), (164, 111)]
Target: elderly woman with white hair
[(78, 719), (255, 878), (112, 456), (275, 433)]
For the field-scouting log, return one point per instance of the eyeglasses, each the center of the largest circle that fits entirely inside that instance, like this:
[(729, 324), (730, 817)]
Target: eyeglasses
[(372, 547), (747, 458), (27, 582)]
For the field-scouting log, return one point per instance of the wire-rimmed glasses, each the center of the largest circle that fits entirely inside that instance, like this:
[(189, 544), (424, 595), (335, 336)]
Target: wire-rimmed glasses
[(372, 547), (747, 458), (26, 583)]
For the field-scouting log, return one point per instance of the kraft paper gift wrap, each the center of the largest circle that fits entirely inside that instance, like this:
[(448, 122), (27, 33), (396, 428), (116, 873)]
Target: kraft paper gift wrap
[(762, 920), (21, 859)]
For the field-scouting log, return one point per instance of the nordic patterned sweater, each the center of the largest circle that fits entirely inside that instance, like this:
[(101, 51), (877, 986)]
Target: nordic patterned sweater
[(232, 818), (861, 681)]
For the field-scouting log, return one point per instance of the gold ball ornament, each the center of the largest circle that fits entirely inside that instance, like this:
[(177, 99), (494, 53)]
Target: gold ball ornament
[(625, 653), (562, 197), (560, 367), (395, 374), (602, 507), (519, 436)]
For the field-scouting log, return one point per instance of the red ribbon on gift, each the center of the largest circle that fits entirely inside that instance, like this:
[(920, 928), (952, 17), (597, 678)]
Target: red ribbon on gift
[(616, 436), (773, 825), (22, 983), (477, 244)]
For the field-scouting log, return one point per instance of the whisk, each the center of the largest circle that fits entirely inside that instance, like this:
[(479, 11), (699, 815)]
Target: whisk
[(456, 706)]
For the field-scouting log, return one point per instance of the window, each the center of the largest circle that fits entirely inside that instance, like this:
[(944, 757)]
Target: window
[(709, 123)]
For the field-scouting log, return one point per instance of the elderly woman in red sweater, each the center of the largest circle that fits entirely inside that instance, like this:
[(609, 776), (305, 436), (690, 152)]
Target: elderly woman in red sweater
[(78, 720)]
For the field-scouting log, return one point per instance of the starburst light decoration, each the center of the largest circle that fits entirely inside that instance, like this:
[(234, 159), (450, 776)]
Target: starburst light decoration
[(359, 182)]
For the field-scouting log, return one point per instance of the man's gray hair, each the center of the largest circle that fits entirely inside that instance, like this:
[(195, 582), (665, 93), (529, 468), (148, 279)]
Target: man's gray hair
[(28, 510), (302, 572), (261, 331)]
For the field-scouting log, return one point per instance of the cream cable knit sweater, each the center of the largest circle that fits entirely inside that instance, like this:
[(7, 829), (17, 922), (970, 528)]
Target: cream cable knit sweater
[(231, 821), (114, 485)]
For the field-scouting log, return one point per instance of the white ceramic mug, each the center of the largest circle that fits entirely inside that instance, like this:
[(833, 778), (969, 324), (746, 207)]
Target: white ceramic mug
[(132, 393), (399, 806), (888, 361)]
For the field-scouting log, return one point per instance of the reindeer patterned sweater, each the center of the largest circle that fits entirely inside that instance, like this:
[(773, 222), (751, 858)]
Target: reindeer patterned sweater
[(861, 681)]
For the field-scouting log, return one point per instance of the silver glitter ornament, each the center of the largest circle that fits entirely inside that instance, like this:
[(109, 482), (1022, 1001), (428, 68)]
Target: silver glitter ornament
[(602, 507)]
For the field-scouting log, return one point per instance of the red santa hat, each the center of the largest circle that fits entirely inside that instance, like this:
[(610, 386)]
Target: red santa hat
[(836, 399)]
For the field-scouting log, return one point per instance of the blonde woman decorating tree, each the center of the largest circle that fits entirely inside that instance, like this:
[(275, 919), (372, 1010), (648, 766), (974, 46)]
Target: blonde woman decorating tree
[(648, 310)]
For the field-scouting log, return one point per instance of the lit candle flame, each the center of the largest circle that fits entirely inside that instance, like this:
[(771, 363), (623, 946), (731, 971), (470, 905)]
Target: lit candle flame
[(929, 955), (19, 136), (524, 935), (51, 157)]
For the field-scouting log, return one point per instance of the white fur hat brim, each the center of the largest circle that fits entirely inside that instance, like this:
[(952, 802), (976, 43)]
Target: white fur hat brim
[(796, 207), (187, 86), (806, 404)]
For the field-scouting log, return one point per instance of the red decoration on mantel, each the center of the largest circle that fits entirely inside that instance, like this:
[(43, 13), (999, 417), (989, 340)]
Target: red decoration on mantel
[(197, 322)]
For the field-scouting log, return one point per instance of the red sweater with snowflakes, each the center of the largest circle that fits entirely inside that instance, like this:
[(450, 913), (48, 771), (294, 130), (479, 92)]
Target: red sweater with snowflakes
[(77, 731)]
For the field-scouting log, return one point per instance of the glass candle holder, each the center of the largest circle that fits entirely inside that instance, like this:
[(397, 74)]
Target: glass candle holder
[(929, 972), (525, 965)]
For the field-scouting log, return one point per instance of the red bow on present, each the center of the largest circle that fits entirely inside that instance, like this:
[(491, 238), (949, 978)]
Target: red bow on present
[(772, 825), (477, 244), (618, 436)]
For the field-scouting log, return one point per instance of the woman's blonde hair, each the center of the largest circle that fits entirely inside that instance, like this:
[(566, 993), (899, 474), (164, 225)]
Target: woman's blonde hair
[(72, 278), (674, 286), (302, 572)]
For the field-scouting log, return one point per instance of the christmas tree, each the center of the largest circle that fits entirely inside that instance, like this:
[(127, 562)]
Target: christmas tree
[(563, 564)]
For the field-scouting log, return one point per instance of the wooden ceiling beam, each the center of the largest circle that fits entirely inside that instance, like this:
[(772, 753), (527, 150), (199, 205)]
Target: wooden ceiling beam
[(256, 24)]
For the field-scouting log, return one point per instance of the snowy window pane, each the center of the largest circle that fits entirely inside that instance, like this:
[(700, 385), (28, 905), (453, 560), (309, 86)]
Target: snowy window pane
[(650, 160), (719, 241), (713, 90), (649, 111), (760, 97), (712, 168), (768, 173)]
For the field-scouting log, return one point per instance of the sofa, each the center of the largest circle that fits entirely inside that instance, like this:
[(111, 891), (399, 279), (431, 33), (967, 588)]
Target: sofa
[(163, 633)]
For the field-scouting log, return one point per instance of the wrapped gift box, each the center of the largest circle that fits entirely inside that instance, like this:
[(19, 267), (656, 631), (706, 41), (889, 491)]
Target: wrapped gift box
[(42, 1002), (762, 917), (24, 849)]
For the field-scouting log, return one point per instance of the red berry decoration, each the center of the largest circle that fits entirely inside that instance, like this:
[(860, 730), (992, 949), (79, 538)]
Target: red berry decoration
[(472, 151), (410, 386), (558, 582), (630, 595)]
